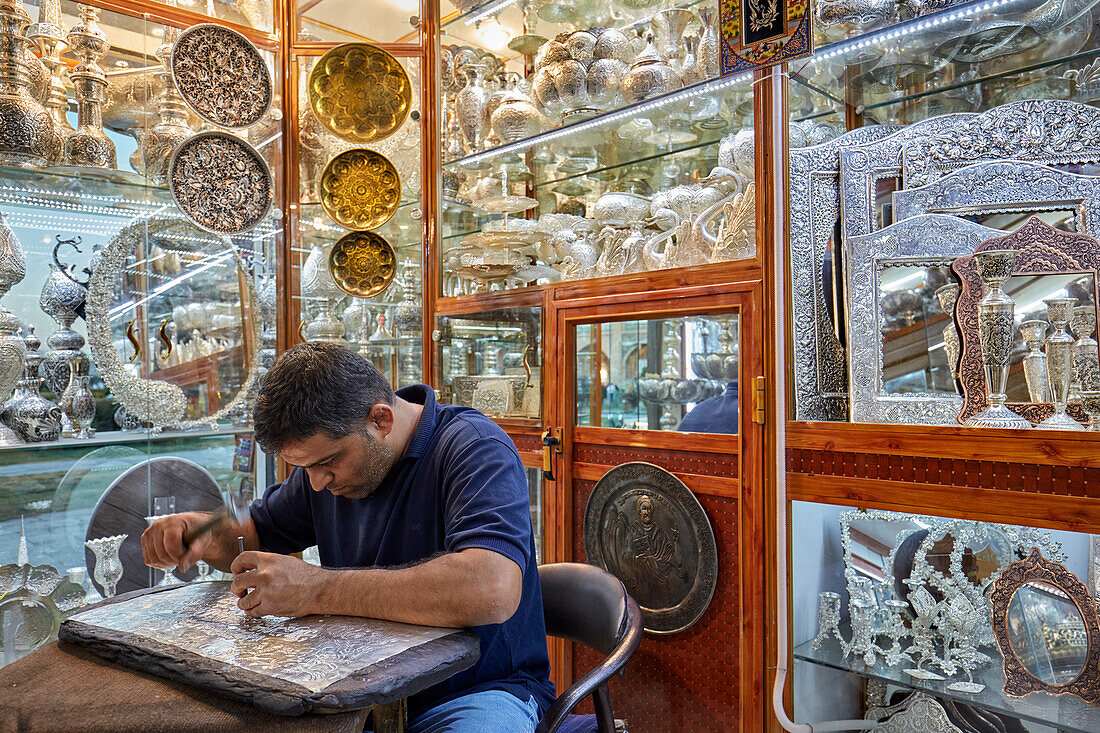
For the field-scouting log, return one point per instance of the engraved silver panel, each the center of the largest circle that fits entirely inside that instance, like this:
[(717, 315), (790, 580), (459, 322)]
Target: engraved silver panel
[(931, 240), (313, 651), (1008, 186), (819, 364)]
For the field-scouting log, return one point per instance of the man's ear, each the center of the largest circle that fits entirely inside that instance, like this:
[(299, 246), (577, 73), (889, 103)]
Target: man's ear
[(381, 417)]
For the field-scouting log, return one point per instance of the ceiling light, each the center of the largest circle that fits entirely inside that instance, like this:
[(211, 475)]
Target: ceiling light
[(494, 35)]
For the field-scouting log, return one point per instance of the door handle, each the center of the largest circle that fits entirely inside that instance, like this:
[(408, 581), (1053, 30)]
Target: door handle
[(550, 444)]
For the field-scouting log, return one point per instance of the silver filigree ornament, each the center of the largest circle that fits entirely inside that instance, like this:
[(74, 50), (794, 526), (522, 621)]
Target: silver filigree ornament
[(146, 400), (221, 76), (27, 134), (221, 183)]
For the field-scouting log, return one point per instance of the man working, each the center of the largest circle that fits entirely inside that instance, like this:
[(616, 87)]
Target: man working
[(420, 514)]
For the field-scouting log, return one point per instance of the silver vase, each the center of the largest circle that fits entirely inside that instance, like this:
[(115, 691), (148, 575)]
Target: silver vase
[(1086, 358), (947, 296), (159, 143), (1035, 362), (60, 297), (13, 268), (707, 57), (33, 418), (1090, 403), (49, 36), (996, 327), (89, 145), (78, 403), (472, 106), (29, 138), (108, 566), (1059, 363)]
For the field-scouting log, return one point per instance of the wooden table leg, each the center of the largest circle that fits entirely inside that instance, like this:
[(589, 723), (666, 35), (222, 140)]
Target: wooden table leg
[(391, 718)]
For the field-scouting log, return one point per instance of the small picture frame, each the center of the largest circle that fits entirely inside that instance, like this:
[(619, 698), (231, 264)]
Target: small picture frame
[(244, 456)]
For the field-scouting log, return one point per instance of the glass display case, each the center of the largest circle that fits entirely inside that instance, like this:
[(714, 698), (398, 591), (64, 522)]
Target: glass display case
[(492, 361), (611, 149), (138, 252), (662, 374), (907, 602)]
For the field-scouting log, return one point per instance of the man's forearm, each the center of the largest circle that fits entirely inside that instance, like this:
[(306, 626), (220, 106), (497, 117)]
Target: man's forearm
[(469, 588), (223, 547)]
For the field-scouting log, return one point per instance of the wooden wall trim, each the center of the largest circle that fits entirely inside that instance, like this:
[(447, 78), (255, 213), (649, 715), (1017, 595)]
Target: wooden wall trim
[(1077, 514), (698, 483), (1042, 447), (665, 440)]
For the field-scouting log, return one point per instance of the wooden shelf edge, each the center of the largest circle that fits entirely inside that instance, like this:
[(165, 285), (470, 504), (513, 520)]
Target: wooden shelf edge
[(1072, 513), (1040, 447)]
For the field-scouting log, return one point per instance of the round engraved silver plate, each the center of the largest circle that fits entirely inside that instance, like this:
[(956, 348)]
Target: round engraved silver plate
[(645, 526), (220, 183), (221, 76)]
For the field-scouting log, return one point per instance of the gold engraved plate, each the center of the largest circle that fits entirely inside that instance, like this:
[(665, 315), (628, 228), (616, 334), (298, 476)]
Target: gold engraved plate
[(221, 76), (360, 93), (362, 264), (360, 189)]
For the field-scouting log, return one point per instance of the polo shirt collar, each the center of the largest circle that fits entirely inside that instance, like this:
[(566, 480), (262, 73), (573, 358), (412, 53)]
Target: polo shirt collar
[(425, 426)]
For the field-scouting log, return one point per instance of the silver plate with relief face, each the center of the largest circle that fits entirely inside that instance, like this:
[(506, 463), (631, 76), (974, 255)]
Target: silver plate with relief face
[(643, 525)]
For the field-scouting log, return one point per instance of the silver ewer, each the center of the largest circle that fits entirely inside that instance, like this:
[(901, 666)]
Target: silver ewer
[(28, 136), (1035, 362), (33, 418), (89, 145), (947, 296), (996, 328), (60, 297), (1060, 363), (1086, 357)]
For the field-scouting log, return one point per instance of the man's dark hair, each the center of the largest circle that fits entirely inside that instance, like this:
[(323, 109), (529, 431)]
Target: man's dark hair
[(317, 388)]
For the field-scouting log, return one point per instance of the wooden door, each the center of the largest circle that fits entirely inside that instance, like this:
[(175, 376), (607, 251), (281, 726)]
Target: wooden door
[(709, 676)]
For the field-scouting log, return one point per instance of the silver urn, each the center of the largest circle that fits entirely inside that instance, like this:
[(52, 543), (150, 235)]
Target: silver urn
[(29, 137), (649, 76)]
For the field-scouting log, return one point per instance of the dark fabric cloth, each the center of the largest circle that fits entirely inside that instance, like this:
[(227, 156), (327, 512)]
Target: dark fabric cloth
[(62, 688), (714, 415), (459, 484), (579, 724)]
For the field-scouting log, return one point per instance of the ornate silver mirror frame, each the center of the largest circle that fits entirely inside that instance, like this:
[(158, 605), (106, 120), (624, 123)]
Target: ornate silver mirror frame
[(1005, 186), (814, 188), (149, 400), (931, 240)]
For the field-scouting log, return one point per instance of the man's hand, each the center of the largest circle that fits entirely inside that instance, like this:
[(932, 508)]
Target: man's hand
[(281, 585), (162, 542)]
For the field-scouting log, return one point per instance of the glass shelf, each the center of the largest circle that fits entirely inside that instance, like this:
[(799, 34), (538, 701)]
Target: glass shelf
[(1066, 713), (121, 438), (950, 61)]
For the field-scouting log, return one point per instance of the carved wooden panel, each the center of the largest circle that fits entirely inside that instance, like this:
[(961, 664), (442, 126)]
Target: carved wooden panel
[(671, 684), (698, 462)]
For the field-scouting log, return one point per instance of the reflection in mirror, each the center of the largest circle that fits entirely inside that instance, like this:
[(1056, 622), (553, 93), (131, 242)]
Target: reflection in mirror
[(663, 374), (914, 352), (1063, 219), (1047, 633), (1029, 291)]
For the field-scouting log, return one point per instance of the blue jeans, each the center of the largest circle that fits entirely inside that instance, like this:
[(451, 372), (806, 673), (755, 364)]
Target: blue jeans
[(491, 711)]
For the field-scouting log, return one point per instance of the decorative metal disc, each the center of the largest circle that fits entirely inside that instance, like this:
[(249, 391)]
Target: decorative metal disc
[(645, 526), (360, 189), (221, 76), (220, 183), (360, 93), (362, 264)]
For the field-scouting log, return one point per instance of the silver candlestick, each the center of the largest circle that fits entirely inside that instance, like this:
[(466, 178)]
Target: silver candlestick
[(1035, 362), (1059, 363), (996, 326)]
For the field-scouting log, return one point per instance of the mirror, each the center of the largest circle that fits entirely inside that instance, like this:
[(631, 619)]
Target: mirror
[(1047, 633), (1046, 627), (914, 355), (171, 324), (673, 374)]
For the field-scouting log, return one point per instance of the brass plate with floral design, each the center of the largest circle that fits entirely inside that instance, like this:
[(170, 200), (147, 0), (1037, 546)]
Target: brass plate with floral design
[(362, 264), (221, 76), (360, 189), (220, 183), (360, 93)]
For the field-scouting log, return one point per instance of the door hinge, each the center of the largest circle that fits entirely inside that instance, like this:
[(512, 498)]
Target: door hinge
[(759, 399), (551, 444)]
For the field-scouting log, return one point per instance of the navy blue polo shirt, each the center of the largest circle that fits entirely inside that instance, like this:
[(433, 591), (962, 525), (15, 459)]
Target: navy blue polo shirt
[(714, 415), (459, 484)]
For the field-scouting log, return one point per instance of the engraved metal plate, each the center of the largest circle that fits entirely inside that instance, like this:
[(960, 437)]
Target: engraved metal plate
[(360, 189), (360, 93), (198, 634), (221, 183), (221, 76), (645, 526), (362, 264)]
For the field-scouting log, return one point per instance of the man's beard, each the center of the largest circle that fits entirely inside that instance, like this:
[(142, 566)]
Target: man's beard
[(377, 461)]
